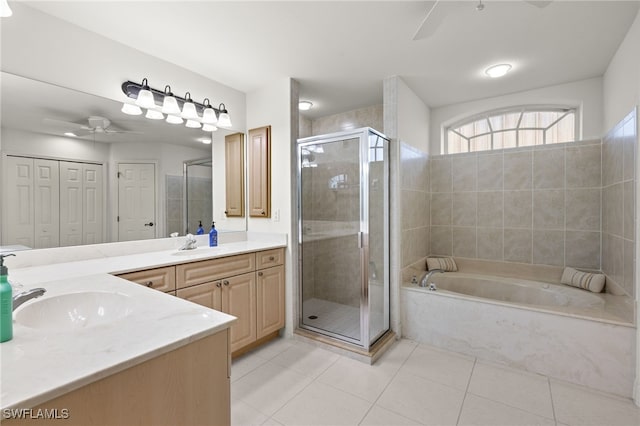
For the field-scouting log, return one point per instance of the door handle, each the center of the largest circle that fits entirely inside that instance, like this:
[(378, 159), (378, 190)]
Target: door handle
[(148, 224)]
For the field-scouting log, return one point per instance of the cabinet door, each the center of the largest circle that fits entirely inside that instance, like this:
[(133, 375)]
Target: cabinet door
[(234, 174), (17, 202), (270, 300), (260, 172), (162, 279), (239, 300), (208, 294)]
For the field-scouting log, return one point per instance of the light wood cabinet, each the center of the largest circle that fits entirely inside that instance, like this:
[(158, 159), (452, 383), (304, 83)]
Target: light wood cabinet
[(259, 146), (270, 311), (234, 174), (162, 279), (186, 386), (249, 286)]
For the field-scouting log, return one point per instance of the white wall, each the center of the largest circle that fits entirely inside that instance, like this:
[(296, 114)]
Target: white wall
[(271, 105), (621, 82), (586, 94), (413, 118), (42, 47)]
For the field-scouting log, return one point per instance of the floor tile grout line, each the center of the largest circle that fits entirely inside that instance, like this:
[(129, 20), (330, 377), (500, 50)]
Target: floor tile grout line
[(553, 405), (466, 391)]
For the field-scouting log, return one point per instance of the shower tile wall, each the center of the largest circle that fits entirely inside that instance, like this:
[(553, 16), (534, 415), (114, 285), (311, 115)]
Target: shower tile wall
[(174, 197), (538, 205), (618, 215), (415, 213), (364, 117), (200, 202)]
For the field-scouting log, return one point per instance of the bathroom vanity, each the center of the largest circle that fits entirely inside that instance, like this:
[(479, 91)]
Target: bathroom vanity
[(149, 357)]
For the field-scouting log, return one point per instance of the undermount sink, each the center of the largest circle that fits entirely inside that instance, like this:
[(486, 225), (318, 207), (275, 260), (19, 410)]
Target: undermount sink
[(73, 311)]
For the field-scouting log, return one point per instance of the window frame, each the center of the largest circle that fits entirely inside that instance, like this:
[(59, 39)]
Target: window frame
[(521, 110)]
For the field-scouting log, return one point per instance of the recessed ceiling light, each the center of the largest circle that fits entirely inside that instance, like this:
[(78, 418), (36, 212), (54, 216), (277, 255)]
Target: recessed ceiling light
[(205, 141), (304, 105), (70, 134), (499, 70)]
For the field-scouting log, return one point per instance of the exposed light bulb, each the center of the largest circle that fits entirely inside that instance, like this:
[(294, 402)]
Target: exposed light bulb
[(174, 119), (131, 109), (154, 114)]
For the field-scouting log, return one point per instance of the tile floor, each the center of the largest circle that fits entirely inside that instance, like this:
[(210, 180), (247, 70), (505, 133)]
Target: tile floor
[(288, 382)]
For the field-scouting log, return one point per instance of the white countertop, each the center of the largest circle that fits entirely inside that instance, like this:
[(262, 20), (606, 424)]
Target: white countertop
[(37, 365)]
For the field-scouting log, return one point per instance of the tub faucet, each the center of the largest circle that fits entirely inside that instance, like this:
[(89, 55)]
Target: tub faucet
[(25, 296), (424, 281)]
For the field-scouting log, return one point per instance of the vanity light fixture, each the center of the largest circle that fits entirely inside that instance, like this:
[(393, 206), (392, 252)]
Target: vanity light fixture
[(154, 114), (192, 124), (176, 108), (305, 105), (169, 103), (209, 127), (131, 109), (145, 97), (174, 119), (5, 10), (223, 119), (499, 70)]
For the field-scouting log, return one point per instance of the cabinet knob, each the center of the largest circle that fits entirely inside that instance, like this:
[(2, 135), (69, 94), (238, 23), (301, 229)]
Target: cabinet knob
[(149, 283), (218, 284), (260, 274), (226, 212), (263, 213), (272, 258), (225, 282)]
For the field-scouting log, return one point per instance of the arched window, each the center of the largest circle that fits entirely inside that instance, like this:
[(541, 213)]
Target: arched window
[(513, 127)]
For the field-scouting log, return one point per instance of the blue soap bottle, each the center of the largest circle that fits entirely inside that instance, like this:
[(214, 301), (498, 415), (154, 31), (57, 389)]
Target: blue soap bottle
[(213, 236), (200, 230), (6, 302)]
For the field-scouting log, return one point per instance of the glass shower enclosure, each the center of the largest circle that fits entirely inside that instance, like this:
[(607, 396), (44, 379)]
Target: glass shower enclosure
[(343, 235)]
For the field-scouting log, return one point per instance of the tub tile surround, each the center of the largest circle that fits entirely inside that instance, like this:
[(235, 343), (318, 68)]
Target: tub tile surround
[(534, 202), (416, 204), (618, 213), (411, 384)]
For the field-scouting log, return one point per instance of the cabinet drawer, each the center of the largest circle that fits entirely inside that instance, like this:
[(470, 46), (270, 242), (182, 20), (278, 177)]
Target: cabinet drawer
[(189, 274), (269, 258), (163, 279)]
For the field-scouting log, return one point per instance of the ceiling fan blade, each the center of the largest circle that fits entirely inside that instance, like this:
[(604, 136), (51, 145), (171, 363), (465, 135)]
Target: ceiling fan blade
[(64, 124), (438, 12), (539, 3)]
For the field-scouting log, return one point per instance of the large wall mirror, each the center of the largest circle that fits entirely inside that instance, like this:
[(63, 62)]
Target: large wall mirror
[(77, 170)]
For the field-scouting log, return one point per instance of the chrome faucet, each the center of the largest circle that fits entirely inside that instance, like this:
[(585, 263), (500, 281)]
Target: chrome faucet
[(424, 281), (25, 296), (190, 243)]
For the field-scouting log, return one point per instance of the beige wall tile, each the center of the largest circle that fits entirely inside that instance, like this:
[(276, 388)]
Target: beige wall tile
[(628, 210), (440, 174), (548, 168), (583, 168), (518, 170), (414, 168), (490, 209), (490, 172), (490, 243), (612, 158), (548, 209), (441, 208), (583, 249), (517, 245), (464, 170), (629, 143), (548, 247), (628, 267), (518, 209), (464, 241), (464, 208), (441, 241), (583, 209), (612, 209)]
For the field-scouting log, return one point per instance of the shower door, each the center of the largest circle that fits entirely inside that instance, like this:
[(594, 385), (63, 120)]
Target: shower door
[(343, 235)]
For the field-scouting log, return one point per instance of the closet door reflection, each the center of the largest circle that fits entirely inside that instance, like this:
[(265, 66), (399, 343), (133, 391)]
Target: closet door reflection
[(330, 206)]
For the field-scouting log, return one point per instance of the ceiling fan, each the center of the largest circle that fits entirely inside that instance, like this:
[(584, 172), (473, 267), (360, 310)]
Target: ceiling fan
[(439, 9), (94, 125)]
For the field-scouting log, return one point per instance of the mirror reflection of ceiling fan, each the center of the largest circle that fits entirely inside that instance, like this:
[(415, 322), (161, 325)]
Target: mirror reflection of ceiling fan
[(439, 9), (93, 125)]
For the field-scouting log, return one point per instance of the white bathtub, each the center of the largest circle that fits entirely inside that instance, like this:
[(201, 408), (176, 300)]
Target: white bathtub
[(552, 329)]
